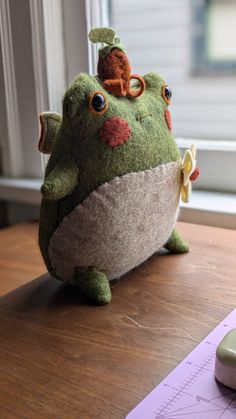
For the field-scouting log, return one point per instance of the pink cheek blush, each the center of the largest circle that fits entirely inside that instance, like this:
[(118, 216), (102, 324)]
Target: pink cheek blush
[(115, 131), (168, 119)]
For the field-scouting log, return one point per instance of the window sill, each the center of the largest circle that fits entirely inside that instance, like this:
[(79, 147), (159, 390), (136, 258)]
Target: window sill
[(22, 190), (205, 207), (210, 208), (216, 160), (207, 145)]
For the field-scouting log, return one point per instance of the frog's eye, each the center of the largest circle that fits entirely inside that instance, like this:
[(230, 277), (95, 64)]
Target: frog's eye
[(166, 94), (97, 103)]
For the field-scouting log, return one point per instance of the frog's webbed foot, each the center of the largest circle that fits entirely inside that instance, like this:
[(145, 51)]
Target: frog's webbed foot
[(176, 244), (94, 284)]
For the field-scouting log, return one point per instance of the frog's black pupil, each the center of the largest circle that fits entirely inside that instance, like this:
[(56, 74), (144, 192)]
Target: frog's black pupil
[(168, 92), (98, 102)]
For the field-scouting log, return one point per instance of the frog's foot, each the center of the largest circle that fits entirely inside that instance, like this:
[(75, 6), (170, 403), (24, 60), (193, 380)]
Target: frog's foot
[(176, 244), (94, 284)]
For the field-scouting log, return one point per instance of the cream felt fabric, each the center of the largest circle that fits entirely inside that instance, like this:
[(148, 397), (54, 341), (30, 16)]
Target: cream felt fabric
[(119, 225)]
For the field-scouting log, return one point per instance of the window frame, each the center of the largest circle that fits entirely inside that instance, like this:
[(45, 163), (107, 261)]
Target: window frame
[(12, 157)]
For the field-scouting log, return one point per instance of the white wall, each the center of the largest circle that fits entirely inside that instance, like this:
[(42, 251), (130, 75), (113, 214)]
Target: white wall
[(157, 35)]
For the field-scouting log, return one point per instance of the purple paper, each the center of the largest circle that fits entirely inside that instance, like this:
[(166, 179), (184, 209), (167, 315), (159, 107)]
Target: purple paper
[(190, 390)]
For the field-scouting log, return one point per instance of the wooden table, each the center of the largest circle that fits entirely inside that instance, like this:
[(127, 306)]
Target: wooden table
[(61, 357), (20, 258)]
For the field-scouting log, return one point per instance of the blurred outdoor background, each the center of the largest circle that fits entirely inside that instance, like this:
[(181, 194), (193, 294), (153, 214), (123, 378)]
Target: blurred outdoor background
[(192, 44)]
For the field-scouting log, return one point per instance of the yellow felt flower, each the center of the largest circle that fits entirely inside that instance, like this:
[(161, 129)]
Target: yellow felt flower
[(188, 166)]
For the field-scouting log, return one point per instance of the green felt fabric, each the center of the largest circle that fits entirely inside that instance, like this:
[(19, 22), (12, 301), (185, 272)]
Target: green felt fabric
[(150, 145), (176, 244), (94, 284), (105, 36), (62, 180)]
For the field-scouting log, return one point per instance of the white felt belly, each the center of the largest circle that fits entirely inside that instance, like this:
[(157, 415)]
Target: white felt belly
[(120, 224)]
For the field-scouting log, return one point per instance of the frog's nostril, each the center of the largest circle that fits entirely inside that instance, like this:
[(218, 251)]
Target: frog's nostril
[(115, 131), (168, 119)]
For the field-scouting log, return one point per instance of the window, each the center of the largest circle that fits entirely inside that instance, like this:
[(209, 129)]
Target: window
[(214, 37), (43, 46), (158, 35)]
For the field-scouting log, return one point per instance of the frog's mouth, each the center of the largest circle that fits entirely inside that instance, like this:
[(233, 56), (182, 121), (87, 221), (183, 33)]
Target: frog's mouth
[(115, 131), (141, 116)]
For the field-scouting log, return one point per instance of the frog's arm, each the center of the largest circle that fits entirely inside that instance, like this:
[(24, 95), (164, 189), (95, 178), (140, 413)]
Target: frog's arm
[(50, 123), (61, 181), (176, 244)]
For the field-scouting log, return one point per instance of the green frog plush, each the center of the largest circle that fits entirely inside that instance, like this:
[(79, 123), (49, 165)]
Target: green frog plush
[(114, 177)]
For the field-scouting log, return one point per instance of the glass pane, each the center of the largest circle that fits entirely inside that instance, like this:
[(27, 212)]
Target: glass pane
[(222, 30)]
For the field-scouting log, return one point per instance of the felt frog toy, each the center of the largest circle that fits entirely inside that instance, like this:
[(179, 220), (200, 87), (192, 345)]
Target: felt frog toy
[(114, 177)]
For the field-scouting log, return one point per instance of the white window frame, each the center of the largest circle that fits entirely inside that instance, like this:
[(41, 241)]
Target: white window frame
[(59, 29), (11, 149)]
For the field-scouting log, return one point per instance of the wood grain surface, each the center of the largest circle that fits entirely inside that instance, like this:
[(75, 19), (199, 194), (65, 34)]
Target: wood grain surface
[(61, 357), (20, 259)]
